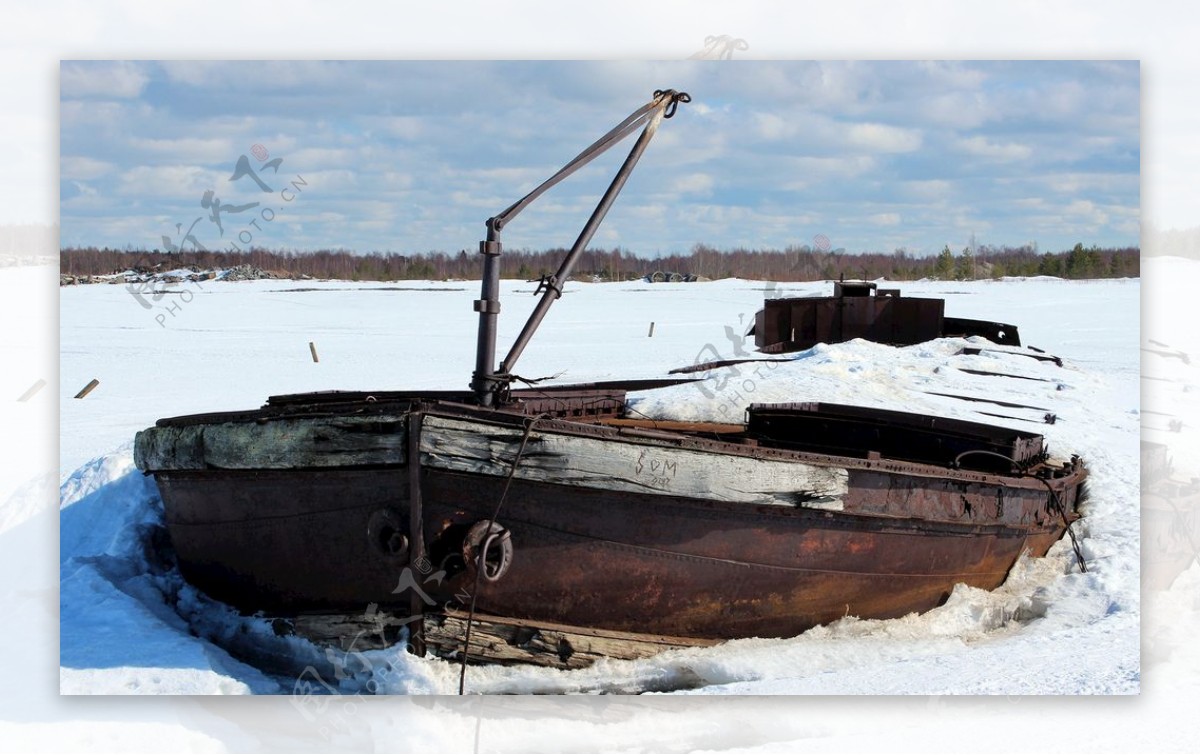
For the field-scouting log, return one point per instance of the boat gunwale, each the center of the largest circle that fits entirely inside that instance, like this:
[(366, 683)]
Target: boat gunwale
[(592, 427)]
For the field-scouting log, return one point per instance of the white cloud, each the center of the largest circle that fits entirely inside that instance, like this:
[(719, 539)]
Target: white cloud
[(375, 209), (508, 176), (803, 170), (771, 127), (314, 217), (693, 183), (279, 144), (1073, 183), (252, 75), (328, 181), (935, 188), (403, 127), (98, 116), (878, 137), (690, 146), (468, 199), (83, 168), (1066, 99), (87, 199), (192, 72), (121, 79), (884, 146), (970, 223), (393, 179), (1087, 211), (157, 182), (981, 147), (312, 158), (190, 149), (960, 110), (712, 213), (838, 84), (651, 212), (953, 74)]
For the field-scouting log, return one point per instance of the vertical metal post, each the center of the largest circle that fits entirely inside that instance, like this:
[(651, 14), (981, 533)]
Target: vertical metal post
[(416, 534), (484, 381)]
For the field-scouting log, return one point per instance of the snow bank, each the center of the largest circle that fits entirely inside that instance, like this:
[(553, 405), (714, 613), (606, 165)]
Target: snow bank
[(131, 624)]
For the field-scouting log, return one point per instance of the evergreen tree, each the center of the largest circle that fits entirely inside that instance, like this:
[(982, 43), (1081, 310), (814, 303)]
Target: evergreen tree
[(1081, 263), (1051, 264), (944, 270), (964, 267)]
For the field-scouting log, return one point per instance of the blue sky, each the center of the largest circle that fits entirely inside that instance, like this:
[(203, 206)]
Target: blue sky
[(415, 156)]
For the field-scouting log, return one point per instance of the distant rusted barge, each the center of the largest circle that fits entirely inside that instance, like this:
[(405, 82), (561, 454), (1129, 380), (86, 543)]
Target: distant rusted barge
[(860, 309), (562, 527)]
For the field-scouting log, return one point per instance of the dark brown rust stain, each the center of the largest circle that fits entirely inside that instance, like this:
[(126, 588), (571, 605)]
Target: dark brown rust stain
[(306, 540), (596, 558), (786, 325)]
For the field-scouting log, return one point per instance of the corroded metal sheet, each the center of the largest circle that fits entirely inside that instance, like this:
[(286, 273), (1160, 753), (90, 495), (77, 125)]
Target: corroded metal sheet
[(298, 542), (697, 570), (997, 332), (859, 431), (794, 324)]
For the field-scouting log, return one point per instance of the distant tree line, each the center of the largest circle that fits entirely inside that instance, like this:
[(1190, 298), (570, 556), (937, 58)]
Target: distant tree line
[(790, 263)]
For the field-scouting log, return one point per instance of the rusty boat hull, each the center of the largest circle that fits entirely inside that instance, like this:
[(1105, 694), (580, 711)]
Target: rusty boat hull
[(333, 503), (859, 309)]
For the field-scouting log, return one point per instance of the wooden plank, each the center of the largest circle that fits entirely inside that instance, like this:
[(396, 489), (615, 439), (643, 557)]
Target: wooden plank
[(87, 388), (277, 444), (370, 630), (641, 465), (508, 641), (494, 639)]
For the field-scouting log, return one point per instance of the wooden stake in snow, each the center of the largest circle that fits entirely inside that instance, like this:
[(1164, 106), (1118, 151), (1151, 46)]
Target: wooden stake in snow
[(88, 388), (651, 333), (312, 347)]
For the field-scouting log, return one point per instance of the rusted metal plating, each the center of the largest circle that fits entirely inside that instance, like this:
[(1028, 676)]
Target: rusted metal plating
[(858, 309)]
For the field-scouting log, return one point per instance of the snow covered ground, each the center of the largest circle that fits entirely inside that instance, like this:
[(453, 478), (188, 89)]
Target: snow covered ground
[(130, 624), (247, 340)]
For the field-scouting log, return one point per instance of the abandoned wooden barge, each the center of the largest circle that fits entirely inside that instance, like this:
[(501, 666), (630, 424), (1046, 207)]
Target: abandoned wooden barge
[(567, 527), (803, 515)]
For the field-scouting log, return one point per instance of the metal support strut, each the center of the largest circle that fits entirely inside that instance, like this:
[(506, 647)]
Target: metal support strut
[(488, 383)]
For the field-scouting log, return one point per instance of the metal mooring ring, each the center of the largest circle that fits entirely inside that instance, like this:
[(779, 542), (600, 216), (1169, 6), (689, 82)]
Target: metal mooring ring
[(488, 545)]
